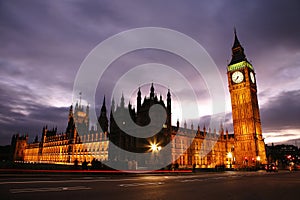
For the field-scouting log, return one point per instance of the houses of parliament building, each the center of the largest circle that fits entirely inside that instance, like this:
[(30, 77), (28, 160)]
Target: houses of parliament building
[(244, 148)]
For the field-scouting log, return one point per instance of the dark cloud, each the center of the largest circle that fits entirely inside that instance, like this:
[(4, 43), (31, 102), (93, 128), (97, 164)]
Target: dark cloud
[(282, 112), (19, 114), (32, 123), (44, 42)]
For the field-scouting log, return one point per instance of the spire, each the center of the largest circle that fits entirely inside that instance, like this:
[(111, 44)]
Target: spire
[(71, 111), (80, 93), (112, 105), (102, 120), (76, 106), (221, 127), (103, 103), (87, 109), (71, 123), (238, 54), (112, 110), (103, 108), (122, 104), (236, 40), (169, 94), (169, 108), (169, 100), (152, 91), (139, 100)]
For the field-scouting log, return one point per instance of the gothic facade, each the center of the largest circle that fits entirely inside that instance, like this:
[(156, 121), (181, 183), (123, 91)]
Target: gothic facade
[(189, 147), (67, 147)]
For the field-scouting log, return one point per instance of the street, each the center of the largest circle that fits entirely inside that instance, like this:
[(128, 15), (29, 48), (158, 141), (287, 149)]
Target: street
[(226, 185)]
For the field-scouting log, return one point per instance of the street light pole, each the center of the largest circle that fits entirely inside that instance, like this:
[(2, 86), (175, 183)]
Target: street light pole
[(229, 156), (155, 149), (258, 161)]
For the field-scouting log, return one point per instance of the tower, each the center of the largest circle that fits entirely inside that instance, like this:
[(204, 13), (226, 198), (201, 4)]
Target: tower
[(152, 92), (169, 112), (249, 147), (103, 121), (70, 130), (139, 100), (81, 119), (122, 104), (18, 147)]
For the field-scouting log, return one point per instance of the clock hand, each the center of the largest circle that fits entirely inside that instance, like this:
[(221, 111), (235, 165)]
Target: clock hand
[(237, 78)]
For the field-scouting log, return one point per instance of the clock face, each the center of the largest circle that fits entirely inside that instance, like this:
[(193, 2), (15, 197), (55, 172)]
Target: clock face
[(237, 77), (252, 77)]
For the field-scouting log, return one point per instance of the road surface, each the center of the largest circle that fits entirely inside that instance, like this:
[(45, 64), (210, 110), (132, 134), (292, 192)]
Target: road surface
[(227, 185)]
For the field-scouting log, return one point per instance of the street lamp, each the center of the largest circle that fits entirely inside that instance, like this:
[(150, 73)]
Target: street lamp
[(229, 156), (258, 158), (155, 149), (258, 161)]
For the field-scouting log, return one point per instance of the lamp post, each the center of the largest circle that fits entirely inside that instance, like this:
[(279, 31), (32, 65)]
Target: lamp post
[(258, 161), (155, 149), (229, 156)]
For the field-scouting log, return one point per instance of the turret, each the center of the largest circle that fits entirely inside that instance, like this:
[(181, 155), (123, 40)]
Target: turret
[(112, 108), (70, 130), (139, 100), (122, 104), (76, 106), (87, 110), (221, 131), (169, 108), (103, 121), (152, 92), (71, 111)]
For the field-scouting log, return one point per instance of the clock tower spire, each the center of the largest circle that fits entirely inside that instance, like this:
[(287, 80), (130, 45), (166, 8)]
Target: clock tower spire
[(238, 54), (249, 148)]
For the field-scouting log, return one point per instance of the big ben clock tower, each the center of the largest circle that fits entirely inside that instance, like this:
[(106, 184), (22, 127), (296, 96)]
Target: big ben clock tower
[(249, 147)]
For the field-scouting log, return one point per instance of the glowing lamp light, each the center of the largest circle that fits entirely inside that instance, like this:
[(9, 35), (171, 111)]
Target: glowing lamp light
[(258, 158), (229, 155), (155, 147)]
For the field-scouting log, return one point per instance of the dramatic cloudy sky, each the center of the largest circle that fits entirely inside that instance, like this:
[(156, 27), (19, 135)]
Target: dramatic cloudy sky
[(43, 44)]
